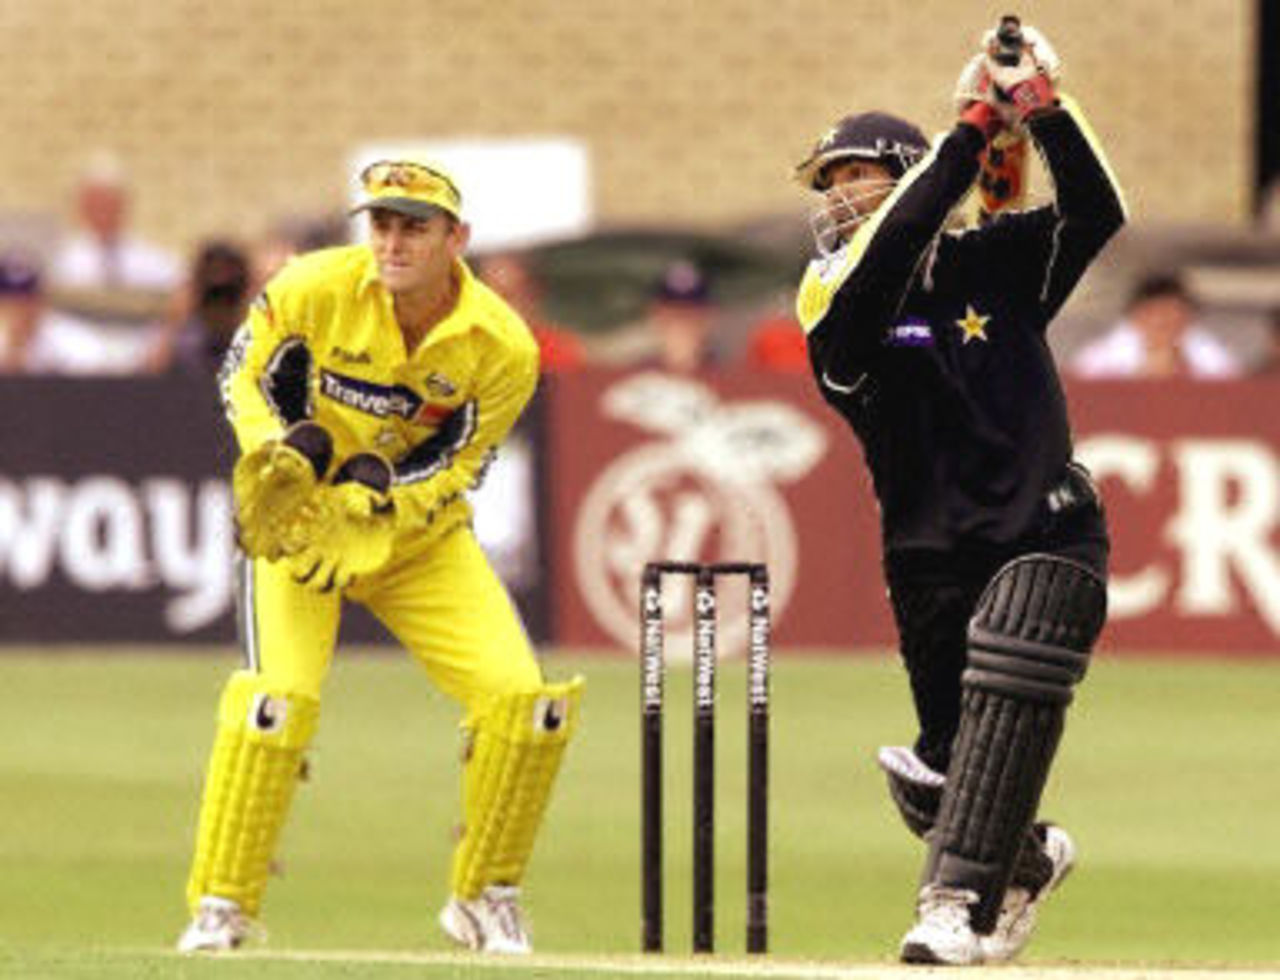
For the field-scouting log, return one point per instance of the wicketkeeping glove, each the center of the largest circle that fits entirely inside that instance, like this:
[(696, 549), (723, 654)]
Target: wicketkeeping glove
[(351, 527), (273, 483)]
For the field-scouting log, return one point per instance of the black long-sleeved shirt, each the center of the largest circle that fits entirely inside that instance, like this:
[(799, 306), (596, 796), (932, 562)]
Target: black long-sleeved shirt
[(931, 343)]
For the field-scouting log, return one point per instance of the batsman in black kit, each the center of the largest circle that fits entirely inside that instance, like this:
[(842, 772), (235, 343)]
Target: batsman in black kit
[(930, 341)]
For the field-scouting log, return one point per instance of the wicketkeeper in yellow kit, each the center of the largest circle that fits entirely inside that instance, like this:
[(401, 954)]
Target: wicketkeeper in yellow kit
[(369, 389)]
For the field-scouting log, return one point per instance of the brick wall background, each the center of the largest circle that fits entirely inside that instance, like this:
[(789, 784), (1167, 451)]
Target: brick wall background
[(232, 111)]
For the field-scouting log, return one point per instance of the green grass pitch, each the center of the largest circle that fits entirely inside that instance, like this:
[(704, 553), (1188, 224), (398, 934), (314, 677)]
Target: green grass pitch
[(1169, 778)]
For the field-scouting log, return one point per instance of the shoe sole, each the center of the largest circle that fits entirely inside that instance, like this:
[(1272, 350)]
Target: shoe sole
[(920, 954), (459, 926), (462, 929)]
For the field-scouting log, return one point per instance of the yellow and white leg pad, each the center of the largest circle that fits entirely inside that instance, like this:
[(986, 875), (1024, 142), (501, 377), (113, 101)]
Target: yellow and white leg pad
[(514, 748), (253, 770)]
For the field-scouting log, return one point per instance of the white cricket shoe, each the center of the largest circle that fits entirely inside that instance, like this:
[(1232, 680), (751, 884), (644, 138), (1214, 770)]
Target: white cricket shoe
[(943, 932), (1020, 908), (492, 923), (218, 927)]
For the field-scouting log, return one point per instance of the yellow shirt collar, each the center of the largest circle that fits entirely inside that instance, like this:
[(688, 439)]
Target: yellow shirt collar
[(463, 316), (464, 310)]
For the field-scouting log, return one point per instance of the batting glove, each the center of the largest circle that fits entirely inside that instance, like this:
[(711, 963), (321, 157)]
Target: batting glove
[(1000, 88), (975, 99), (1028, 86)]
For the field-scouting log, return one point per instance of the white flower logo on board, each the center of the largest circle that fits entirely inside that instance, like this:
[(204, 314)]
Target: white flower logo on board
[(705, 489)]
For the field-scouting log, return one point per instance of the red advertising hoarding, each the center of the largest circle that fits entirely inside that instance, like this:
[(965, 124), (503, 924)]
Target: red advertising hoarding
[(745, 467), (755, 467), (115, 517), (1190, 473)]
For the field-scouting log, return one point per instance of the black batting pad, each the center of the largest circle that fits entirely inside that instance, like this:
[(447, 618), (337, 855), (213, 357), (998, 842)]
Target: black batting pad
[(1029, 643)]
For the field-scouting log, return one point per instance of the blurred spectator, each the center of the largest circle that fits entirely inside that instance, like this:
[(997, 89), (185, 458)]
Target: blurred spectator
[(777, 343), (290, 236), (115, 286), (509, 275), (19, 312), (103, 254), (213, 304), (269, 255), (1158, 337), (222, 280), (1270, 362), (682, 319), (1269, 212), (36, 339)]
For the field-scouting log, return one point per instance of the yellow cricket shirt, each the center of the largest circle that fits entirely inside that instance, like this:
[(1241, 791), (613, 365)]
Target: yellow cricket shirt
[(322, 342)]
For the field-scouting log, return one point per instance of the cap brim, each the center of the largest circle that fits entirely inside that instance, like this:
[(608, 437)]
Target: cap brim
[(401, 205), (807, 173)]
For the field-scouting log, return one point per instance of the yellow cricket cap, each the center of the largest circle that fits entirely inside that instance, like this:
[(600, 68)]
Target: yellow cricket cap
[(413, 187)]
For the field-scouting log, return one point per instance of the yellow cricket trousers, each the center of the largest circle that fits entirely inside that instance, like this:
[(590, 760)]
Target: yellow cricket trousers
[(443, 602)]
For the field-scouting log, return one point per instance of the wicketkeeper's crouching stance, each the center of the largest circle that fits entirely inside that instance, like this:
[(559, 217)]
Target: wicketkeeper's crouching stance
[(368, 390), (930, 341)]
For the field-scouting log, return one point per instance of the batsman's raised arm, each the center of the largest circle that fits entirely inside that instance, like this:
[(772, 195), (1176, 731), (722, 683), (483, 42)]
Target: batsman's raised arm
[(1088, 207), (1011, 90)]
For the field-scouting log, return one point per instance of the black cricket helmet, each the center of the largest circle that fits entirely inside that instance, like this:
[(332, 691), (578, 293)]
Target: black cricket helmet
[(876, 136)]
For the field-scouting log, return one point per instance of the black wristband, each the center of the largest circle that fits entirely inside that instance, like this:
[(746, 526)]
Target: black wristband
[(314, 442), (367, 469)]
